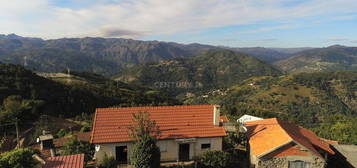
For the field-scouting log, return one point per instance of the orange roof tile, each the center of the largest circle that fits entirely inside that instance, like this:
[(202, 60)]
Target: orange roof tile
[(288, 150), (70, 161), (267, 135), (111, 124)]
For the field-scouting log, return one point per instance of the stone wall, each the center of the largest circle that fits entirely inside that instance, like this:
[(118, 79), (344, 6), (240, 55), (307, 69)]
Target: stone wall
[(283, 162)]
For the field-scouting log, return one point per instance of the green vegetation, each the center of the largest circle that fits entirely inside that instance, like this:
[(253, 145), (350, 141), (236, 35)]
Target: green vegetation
[(217, 159), (29, 97), (108, 162), (325, 102), (213, 69), (75, 146), (19, 158), (145, 153)]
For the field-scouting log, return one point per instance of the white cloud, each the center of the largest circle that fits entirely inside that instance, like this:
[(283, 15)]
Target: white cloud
[(337, 39), (143, 17)]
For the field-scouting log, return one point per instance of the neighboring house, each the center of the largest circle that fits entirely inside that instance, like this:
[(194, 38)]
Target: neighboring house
[(186, 131), (246, 118), (70, 161), (273, 143), (346, 155)]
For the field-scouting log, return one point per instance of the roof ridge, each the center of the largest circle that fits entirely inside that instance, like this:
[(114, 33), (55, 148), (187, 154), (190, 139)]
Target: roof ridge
[(94, 126), (278, 121), (164, 106)]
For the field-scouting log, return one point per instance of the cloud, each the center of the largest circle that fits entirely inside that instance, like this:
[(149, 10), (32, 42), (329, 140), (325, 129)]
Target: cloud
[(117, 32), (354, 41), (338, 39), (266, 29), (136, 18), (267, 40)]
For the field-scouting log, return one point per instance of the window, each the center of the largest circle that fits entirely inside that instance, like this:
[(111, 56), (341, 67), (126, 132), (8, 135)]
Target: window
[(163, 146), (299, 164), (205, 146)]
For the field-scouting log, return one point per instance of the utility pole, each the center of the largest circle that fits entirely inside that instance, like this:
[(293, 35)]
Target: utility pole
[(17, 133)]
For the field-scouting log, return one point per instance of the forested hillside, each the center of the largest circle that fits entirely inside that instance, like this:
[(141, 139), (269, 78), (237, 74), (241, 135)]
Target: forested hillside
[(325, 102), (322, 59), (213, 69), (27, 96)]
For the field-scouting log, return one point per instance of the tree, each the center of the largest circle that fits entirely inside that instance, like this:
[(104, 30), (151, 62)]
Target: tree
[(145, 152), (20, 158), (74, 146), (14, 106)]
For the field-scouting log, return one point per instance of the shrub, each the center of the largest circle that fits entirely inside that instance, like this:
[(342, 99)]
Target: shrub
[(74, 146), (108, 162), (216, 159), (19, 158)]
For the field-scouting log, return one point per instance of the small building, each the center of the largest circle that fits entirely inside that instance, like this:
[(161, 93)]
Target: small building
[(46, 141), (273, 143), (185, 131), (247, 118), (70, 161)]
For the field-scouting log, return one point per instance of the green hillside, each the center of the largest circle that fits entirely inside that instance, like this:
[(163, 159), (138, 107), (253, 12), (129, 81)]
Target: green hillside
[(325, 102), (323, 59), (213, 69), (66, 96)]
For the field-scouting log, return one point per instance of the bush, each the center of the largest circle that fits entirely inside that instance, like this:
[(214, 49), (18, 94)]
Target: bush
[(108, 162), (216, 159), (85, 128), (20, 158), (74, 146)]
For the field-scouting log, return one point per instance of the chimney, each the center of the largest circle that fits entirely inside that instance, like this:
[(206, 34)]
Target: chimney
[(216, 114)]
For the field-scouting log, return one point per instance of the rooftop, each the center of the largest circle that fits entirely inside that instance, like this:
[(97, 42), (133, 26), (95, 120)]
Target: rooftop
[(194, 121), (269, 134), (70, 161)]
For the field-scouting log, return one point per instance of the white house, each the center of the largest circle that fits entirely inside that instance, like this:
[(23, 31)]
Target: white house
[(186, 131)]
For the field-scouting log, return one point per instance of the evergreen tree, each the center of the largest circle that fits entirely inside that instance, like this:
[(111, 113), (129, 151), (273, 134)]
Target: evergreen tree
[(145, 152)]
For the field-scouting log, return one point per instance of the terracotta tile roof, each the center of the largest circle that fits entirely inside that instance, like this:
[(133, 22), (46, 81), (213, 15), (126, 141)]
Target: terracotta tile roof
[(267, 135), (70, 161), (288, 150), (111, 124)]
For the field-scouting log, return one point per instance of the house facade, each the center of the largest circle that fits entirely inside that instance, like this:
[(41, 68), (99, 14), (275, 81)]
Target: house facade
[(273, 143), (185, 131)]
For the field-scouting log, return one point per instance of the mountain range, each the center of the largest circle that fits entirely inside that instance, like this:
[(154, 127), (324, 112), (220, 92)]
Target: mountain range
[(107, 56)]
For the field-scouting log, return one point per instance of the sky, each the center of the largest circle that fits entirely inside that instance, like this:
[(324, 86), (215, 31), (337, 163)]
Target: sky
[(234, 23)]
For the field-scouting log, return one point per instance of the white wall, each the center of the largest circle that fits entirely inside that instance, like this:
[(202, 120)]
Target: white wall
[(172, 148)]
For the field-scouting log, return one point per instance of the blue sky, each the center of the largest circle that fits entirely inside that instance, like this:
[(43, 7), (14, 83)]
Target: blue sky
[(235, 23)]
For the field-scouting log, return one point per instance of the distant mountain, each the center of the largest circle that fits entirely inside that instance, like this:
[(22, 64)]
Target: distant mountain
[(264, 54), (291, 50), (98, 55), (270, 54), (213, 69), (107, 56), (322, 59)]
